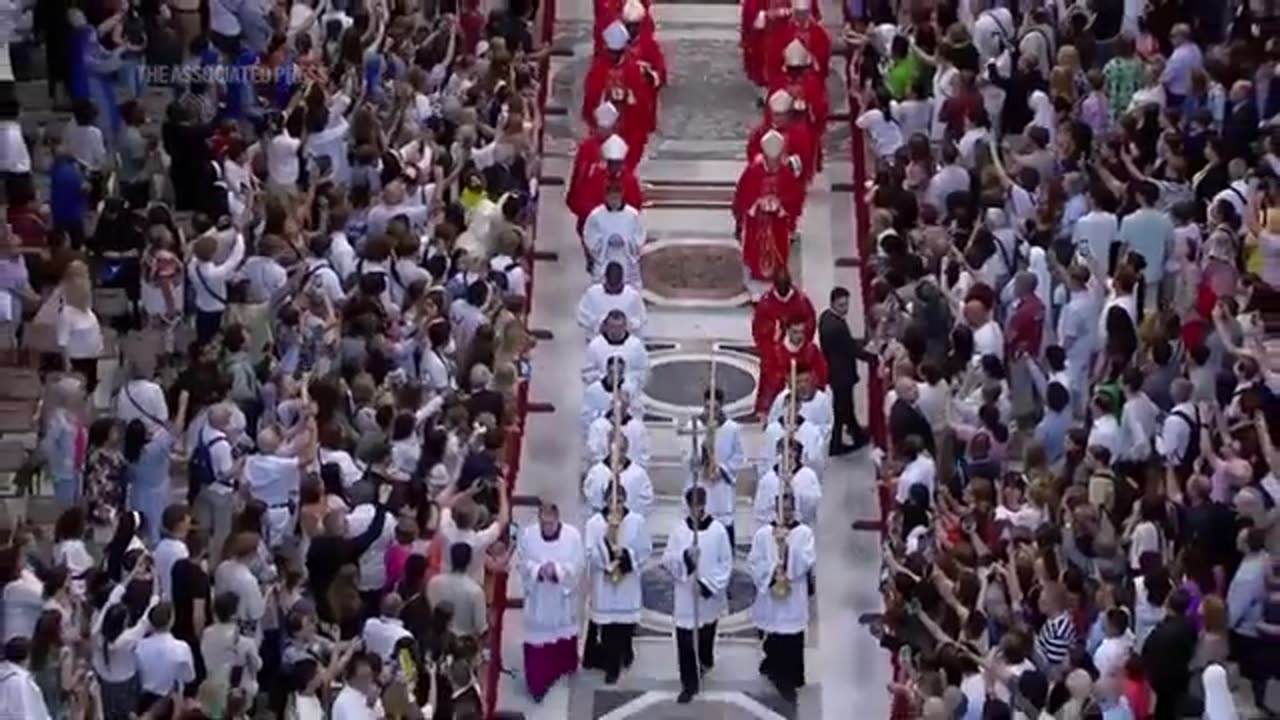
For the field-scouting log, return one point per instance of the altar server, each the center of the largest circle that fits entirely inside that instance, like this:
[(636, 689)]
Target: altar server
[(701, 568), (597, 398), (783, 553), (811, 436), (615, 340), (634, 478), (614, 231), (803, 483), (550, 559), (729, 455), (813, 401), (618, 546), (600, 435), (611, 293)]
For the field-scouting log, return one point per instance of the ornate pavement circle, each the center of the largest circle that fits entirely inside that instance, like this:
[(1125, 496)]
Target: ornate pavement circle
[(658, 597), (693, 273), (677, 379)]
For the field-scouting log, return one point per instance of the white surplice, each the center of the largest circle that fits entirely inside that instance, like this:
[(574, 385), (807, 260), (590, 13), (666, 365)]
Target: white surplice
[(550, 606), (816, 409), (714, 565), (600, 435), (633, 353), (789, 614), (730, 457), (597, 401), (615, 236), (635, 482), (813, 443), (597, 302), (616, 602), (805, 487)]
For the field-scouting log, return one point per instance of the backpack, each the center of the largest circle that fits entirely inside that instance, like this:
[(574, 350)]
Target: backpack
[(200, 471), (1193, 444)]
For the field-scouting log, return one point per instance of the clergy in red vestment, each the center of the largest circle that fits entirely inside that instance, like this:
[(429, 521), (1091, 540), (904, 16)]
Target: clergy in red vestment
[(803, 26), (618, 76), (589, 191), (644, 43), (797, 346), (766, 209), (778, 306), (759, 18), (589, 151), (808, 91), (795, 132)]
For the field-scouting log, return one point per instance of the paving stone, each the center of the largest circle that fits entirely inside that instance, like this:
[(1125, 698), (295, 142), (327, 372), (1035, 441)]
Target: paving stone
[(693, 272)]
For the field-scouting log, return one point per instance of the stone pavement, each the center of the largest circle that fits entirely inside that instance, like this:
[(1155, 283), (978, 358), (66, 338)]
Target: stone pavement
[(697, 308)]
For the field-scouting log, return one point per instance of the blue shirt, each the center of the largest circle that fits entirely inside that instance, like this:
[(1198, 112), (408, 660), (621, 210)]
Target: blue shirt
[(66, 192), (1246, 595), (1051, 433)]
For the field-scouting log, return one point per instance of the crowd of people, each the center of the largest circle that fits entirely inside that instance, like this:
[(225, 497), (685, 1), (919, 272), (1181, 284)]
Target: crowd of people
[(1076, 242), (313, 272)]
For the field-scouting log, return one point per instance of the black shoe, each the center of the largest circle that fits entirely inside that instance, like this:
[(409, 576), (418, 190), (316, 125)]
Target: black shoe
[(708, 667), (611, 678), (788, 694), (860, 442), (685, 697), (764, 667), (839, 450)]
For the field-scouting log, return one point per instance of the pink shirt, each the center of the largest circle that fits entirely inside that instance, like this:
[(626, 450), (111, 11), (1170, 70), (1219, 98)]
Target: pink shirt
[(396, 557)]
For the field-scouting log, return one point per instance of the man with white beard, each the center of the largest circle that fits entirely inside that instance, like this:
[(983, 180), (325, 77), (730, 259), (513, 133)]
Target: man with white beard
[(614, 232), (551, 562), (614, 565), (613, 341), (782, 554), (597, 398), (611, 293), (701, 581), (802, 482), (634, 478), (730, 457), (600, 434)]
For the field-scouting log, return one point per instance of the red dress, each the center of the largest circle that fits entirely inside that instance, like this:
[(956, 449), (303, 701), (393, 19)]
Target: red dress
[(622, 82), (810, 33), (799, 141), (766, 209), (587, 193), (768, 327)]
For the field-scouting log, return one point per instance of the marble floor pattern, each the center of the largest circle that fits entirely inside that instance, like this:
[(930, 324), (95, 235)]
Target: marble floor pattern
[(697, 306)]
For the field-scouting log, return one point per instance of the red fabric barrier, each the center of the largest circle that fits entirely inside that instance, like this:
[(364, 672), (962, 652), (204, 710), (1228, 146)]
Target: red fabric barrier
[(515, 435)]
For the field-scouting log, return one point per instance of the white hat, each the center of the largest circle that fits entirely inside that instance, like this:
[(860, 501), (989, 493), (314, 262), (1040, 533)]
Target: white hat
[(780, 102), (633, 11), (802, 5), (606, 115), (795, 54), (772, 143), (616, 36), (614, 149)]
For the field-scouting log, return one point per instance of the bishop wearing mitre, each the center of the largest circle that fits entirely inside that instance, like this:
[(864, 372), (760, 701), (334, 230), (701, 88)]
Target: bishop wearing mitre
[(596, 484), (614, 232), (804, 26), (701, 569), (783, 553), (615, 340), (759, 19), (613, 169), (766, 209), (778, 116), (590, 153), (618, 77), (618, 546), (551, 561), (799, 77)]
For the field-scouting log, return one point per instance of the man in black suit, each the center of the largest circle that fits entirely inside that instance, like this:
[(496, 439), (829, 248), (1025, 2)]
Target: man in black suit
[(842, 351), (1167, 653)]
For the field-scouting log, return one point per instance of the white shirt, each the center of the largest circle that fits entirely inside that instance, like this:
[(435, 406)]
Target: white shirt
[(1140, 420), (266, 278), (332, 143), (209, 279), (23, 603), (19, 695), (597, 302), (224, 649), (1094, 233), (282, 159), (615, 236), (886, 136), (14, 157), (988, 340), (234, 576), (921, 471), (373, 570), (381, 634), (949, 179), (79, 334), (167, 553), (120, 663), (142, 400), (1106, 432), (1112, 654), (164, 664), (86, 145), (351, 704), (479, 541)]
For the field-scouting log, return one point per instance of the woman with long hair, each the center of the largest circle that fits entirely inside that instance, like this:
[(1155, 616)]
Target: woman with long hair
[(129, 526), (112, 642), (70, 551), (52, 663)]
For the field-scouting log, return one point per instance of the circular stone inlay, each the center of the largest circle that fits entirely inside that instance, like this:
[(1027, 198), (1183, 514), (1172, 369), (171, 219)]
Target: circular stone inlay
[(693, 272), (682, 382), (658, 591)]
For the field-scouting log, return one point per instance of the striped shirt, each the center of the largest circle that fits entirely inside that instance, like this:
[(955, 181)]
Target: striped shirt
[(1055, 640)]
